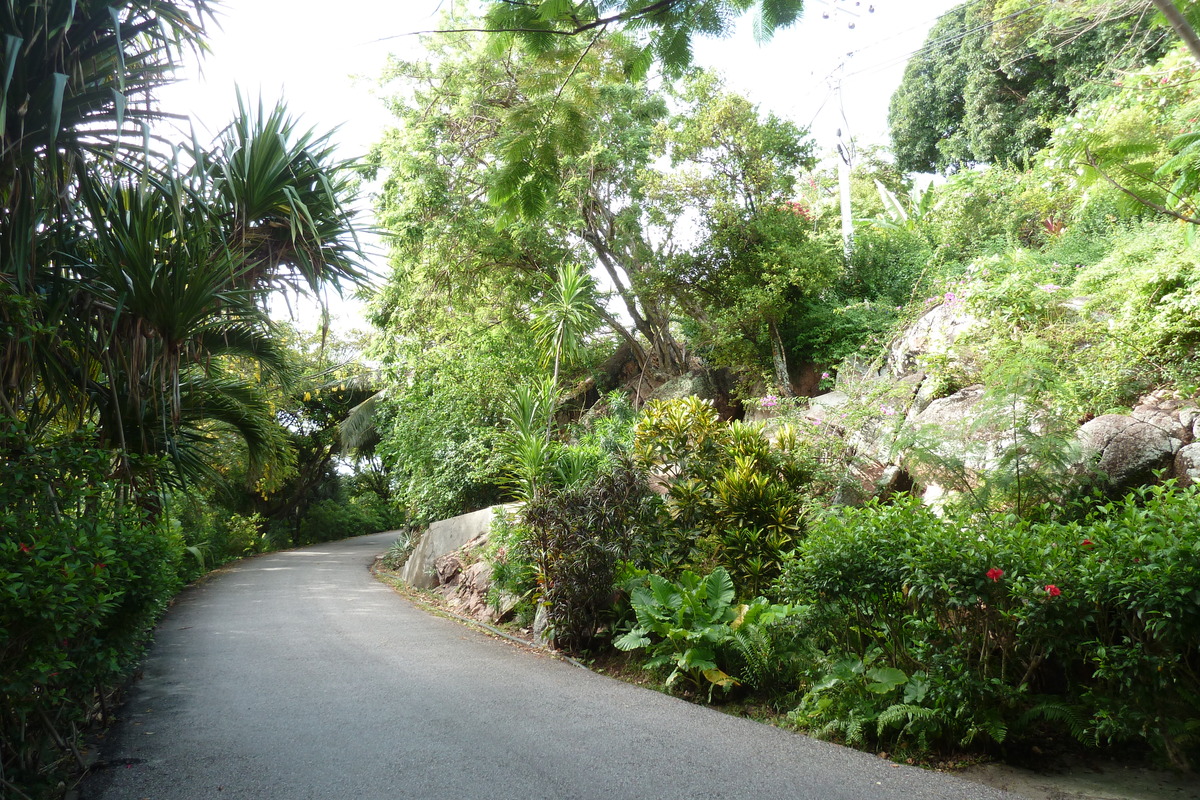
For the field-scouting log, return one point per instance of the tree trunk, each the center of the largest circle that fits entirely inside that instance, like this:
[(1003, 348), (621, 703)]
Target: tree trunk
[(779, 358)]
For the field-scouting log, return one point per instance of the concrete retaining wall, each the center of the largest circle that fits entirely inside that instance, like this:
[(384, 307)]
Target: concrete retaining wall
[(444, 536)]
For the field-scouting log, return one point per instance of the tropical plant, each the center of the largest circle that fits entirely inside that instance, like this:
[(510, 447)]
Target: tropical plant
[(565, 316), (734, 498), (84, 573), (685, 624), (576, 537)]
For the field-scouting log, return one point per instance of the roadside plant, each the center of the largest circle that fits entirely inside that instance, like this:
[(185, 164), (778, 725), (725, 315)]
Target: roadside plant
[(735, 499), (575, 536), (1083, 626), (685, 624), (531, 452)]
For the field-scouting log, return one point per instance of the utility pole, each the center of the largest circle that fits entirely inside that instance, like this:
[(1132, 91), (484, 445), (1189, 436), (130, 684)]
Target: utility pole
[(845, 151)]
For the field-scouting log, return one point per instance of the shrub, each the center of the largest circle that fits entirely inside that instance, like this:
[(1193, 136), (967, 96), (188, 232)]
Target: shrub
[(513, 574), (1088, 624), (576, 537), (84, 573), (689, 624), (735, 499)]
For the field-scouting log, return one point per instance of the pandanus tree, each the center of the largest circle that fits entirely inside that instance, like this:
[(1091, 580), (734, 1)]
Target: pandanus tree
[(132, 272)]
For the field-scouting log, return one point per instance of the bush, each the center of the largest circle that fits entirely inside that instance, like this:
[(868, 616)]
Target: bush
[(358, 515), (576, 537), (691, 625), (1087, 624), (735, 499), (84, 573)]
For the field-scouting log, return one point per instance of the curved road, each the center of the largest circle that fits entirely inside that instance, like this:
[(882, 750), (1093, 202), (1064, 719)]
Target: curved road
[(297, 675)]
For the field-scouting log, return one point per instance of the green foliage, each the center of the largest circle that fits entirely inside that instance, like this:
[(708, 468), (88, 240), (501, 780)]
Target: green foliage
[(1128, 307), (464, 131), (397, 554), (440, 418), (1134, 147), (565, 316), (991, 626), (994, 76), (735, 499), (686, 623), (340, 517), (84, 573), (546, 130), (513, 573), (756, 255)]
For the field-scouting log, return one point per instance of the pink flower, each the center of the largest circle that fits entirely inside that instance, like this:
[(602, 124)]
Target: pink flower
[(1053, 590), (770, 401), (825, 376), (995, 573)]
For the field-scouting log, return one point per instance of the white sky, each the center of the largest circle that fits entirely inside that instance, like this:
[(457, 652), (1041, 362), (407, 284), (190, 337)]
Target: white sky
[(324, 58)]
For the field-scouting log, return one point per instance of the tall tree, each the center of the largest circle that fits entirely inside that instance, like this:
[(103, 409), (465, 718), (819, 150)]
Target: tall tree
[(128, 274), (448, 156), (993, 77), (645, 32), (754, 254)]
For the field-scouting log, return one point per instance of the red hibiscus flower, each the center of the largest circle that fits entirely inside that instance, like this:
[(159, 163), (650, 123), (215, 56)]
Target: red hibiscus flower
[(995, 573), (1053, 590)]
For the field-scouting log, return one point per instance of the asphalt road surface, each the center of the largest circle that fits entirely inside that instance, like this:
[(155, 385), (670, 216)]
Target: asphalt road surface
[(298, 675)]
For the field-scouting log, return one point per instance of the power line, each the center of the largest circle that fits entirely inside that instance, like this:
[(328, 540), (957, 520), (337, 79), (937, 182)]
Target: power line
[(928, 46)]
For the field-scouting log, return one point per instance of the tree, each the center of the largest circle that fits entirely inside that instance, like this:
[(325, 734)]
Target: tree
[(993, 77), (755, 255), (564, 32), (664, 28), (127, 274), (566, 315), (449, 155)]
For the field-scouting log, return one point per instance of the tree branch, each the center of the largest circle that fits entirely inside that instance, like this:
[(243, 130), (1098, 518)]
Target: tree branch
[(1091, 160), (600, 22)]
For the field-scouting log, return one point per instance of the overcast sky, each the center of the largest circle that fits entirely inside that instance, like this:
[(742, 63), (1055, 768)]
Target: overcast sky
[(836, 68)]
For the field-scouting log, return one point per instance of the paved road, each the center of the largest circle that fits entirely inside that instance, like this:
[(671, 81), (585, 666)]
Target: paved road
[(297, 675)]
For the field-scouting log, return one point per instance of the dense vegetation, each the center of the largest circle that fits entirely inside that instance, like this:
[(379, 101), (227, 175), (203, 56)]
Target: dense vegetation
[(1035, 601), (572, 239), (154, 420)]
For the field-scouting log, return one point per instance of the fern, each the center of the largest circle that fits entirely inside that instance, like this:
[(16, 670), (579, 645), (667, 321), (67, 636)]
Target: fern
[(1072, 716), (756, 653), (911, 720)]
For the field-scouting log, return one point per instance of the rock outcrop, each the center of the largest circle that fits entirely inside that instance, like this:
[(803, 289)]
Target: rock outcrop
[(1159, 436)]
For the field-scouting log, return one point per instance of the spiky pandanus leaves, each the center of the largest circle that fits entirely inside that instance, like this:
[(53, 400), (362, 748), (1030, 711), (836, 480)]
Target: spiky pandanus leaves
[(127, 279), (76, 77), (282, 194)]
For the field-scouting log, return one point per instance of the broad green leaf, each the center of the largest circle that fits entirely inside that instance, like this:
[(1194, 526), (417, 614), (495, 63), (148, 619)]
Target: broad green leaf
[(632, 640), (885, 679), (719, 588)]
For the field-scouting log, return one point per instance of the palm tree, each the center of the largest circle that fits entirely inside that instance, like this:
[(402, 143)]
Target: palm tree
[(76, 84)]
